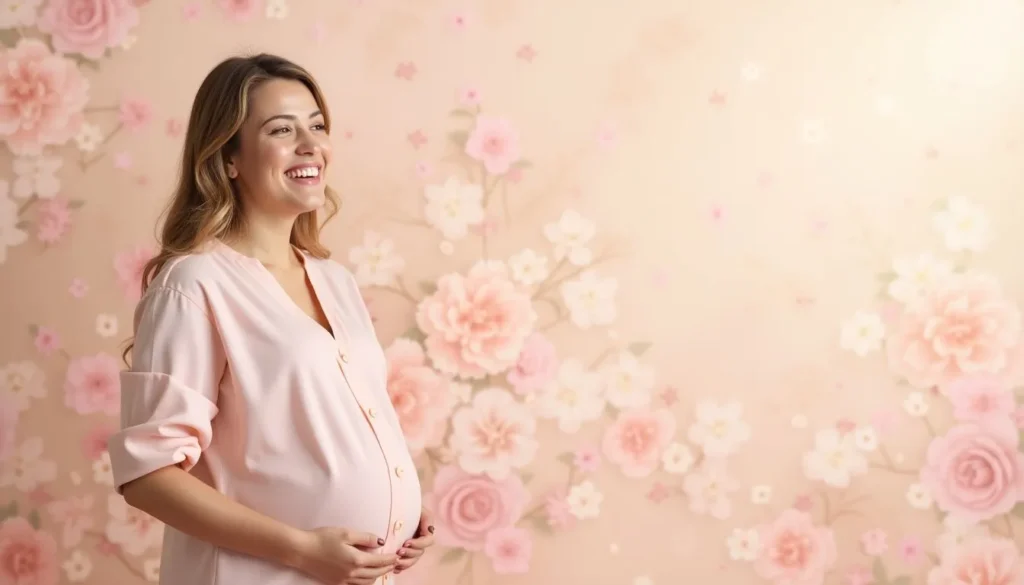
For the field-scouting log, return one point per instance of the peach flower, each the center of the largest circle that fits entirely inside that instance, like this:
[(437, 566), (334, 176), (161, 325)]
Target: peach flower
[(419, 394), (495, 143), (469, 507), (27, 556), (476, 324), (980, 397), (509, 549), (88, 27), (794, 551), (536, 366), (637, 438), (975, 471), (129, 266), (963, 325), (93, 385), (984, 561), (42, 97)]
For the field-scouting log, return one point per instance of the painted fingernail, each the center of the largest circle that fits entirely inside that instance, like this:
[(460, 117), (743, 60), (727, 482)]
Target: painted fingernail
[(407, 544), (430, 529), (401, 552), (380, 541)]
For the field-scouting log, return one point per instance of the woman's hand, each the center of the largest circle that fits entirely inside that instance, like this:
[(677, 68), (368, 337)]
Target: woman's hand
[(413, 549), (336, 556)]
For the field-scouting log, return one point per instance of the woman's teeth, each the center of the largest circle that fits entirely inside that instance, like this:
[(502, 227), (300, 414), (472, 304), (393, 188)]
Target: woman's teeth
[(303, 173)]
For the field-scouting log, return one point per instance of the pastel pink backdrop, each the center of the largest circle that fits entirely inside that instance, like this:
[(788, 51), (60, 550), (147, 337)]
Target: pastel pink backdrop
[(745, 280)]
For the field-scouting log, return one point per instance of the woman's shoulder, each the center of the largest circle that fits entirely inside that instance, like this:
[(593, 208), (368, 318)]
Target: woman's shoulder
[(192, 274)]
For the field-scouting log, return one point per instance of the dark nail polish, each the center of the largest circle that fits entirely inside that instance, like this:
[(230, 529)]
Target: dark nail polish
[(380, 541), (430, 529)]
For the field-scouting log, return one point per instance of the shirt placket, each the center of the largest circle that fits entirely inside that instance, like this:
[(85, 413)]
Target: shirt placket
[(374, 419)]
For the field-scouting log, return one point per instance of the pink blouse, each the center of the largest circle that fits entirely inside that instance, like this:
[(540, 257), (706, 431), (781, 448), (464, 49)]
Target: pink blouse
[(233, 382)]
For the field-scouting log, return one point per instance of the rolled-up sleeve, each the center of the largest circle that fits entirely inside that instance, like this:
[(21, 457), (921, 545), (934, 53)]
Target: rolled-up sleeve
[(169, 394)]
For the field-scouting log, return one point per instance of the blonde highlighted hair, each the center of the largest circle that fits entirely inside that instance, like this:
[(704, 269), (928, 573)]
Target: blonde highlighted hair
[(205, 203)]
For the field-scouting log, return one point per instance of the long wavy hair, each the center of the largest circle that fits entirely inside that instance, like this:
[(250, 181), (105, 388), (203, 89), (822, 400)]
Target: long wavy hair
[(205, 204)]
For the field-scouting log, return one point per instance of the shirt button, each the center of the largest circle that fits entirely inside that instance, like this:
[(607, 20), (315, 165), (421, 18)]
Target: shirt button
[(371, 412), (399, 471), (398, 526), (344, 358)]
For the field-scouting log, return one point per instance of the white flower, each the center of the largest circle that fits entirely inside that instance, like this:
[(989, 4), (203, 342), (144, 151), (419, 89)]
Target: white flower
[(494, 434), (957, 533), (78, 567), (835, 459), (36, 176), (89, 137), (573, 397), (528, 267), (628, 383), (918, 497), (453, 207), (761, 494), (863, 333), (18, 13), (277, 9), (743, 544), (590, 299), (25, 469), (916, 404), (376, 261), (719, 429), (964, 225), (570, 236), (865, 438), (11, 234), (20, 382), (678, 458), (106, 325), (584, 500), (915, 276), (102, 473), (133, 529)]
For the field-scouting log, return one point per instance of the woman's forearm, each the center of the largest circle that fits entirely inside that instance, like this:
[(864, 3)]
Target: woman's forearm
[(182, 501)]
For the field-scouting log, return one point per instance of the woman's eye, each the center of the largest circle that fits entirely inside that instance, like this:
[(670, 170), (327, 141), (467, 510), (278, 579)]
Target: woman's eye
[(280, 130), (319, 126)]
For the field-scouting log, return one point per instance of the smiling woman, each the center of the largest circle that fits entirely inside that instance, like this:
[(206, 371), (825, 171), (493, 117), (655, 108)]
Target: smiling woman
[(255, 418)]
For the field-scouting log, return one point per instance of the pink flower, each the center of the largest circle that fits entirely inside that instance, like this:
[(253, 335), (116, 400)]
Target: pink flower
[(911, 550), (174, 127), (977, 398), (94, 443), (27, 556), (556, 509), (93, 384), (803, 503), (636, 439), (874, 542), (240, 10), (89, 27), (509, 549), (9, 415), (468, 507), (708, 489), (495, 143), (963, 325), (794, 550), (859, 576), (47, 340), (54, 220), (469, 97), (982, 561), (129, 266), (75, 516), (587, 460), (975, 470), (78, 288), (135, 113), (419, 394), (42, 96), (1018, 417), (536, 366), (476, 324)]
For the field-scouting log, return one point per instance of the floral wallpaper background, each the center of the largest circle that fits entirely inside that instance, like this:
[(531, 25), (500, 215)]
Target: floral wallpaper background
[(748, 276)]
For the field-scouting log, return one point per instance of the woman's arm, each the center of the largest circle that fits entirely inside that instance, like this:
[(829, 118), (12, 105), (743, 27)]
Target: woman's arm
[(182, 501)]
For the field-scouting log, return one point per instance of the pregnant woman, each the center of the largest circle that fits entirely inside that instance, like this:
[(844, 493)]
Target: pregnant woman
[(255, 419)]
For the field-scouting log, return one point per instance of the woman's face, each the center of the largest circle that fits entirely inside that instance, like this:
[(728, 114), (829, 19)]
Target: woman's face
[(280, 167)]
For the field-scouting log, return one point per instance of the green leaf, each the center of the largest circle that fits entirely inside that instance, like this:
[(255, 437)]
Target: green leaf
[(33, 519), (428, 287), (939, 514), (459, 138), (9, 511), (23, 224), (414, 334), (638, 348), (452, 555), (462, 113), (1018, 510), (76, 204), (33, 329), (522, 164), (878, 572), (886, 277), (940, 205), (9, 37), (526, 477), (539, 523), (568, 458), (901, 580)]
